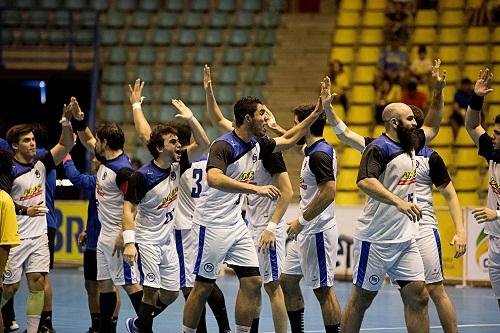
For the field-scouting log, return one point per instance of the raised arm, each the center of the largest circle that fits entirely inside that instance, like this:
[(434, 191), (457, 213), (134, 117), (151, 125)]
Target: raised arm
[(201, 142), (472, 116), (343, 132), (66, 141), (141, 124), (214, 113), (84, 133), (459, 239), (433, 119)]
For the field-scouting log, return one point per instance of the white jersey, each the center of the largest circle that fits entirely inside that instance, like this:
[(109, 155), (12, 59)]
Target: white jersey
[(385, 160), (492, 155), (431, 170), (155, 191), (319, 166), (193, 182), (112, 181), (28, 189), (260, 209), (238, 160)]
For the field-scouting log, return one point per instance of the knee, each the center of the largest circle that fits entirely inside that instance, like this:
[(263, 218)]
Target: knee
[(436, 293), (289, 285), (322, 294), (9, 290), (36, 281), (252, 284), (167, 297), (149, 295), (90, 286), (418, 296), (362, 300), (272, 288)]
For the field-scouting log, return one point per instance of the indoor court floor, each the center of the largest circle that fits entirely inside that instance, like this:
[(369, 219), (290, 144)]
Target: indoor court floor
[(477, 310)]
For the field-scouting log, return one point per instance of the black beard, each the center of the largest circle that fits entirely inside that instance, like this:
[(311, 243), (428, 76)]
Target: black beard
[(99, 157), (407, 138), (302, 141)]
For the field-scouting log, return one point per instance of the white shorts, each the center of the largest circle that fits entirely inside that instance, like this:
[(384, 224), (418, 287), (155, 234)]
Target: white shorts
[(31, 256), (185, 243), (314, 256), (111, 267), (158, 265), (429, 246), (401, 261), (232, 245), (494, 263), (270, 263)]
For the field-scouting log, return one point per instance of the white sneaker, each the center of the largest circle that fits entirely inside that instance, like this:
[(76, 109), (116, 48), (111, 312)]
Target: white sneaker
[(14, 326)]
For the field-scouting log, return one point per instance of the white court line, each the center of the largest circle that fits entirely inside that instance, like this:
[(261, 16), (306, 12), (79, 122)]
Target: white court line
[(404, 327)]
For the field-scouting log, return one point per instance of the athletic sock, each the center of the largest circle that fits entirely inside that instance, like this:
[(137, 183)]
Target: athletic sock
[(114, 323), (34, 308), (218, 305), (255, 326), (136, 299), (186, 329), (8, 312), (296, 319), (107, 304), (160, 306), (95, 317), (46, 319), (242, 329), (33, 322), (332, 328), (145, 320)]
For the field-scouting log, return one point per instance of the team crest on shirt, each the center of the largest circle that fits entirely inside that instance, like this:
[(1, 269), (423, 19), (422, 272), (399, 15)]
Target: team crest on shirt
[(31, 192), (104, 175), (374, 279), (409, 177), (247, 177), (150, 277), (173, 176), (302, 185), (169, 198), (254, 158), (208, 267), (494, 186), (37, 173)]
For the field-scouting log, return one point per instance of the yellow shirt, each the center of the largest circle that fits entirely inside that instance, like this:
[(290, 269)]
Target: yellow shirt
[(9, 234)]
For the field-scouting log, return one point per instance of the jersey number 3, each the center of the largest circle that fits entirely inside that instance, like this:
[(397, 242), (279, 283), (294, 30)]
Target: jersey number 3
[(197, 176)]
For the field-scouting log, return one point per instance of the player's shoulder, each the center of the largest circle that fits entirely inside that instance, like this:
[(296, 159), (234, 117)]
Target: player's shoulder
[(118, 163), (385, 145), (234, 143), (319, 147), (425, 152)]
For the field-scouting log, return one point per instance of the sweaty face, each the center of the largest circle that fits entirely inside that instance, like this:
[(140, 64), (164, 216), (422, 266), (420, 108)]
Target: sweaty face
[(171, 147), (259, 121)]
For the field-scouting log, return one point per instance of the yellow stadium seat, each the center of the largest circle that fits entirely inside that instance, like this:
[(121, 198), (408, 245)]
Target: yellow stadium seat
[(495, 54), (445, 153), (376, 5), (474, 4), (330, 136), (344, 36), (452, 18), (494, 110), (363, 94), (378, 130), (463, 138), (451, 4), (347, 198), (365, 74), (468, 198), (348, 19), (438, 200), (444, 137), (351, 4), (467, 180), (360, 115), (467, 158), (449, 54), (489, 118), (448, 100), (477, 35), (453, 75), (494, 96), (450, 36), (361, 130), (425, 18), (368, 55), (339, 110), (372, 37), (373, 19), (350, 158), (496, 35), (424, 36), (496, 73), (477, 54), (346, 180), (344, 54), (472, 71)]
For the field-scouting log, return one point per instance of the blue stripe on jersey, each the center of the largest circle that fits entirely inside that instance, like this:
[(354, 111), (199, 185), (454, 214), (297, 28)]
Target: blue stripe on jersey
[(201, 242), (139, 265), (320, 252), (274, 263), (127, 273), (239, 147), (118, 163), (320, 146), (425, 152), (438, 245), (180, 254), (363, 262), (154, 174), (387, 146)]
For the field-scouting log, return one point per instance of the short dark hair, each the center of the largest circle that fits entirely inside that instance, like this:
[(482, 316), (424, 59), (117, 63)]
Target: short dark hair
[(183, 131), (466, 81), (16, 132), (411, 86), (244, 106), (303, 111), (113, 134), (497, 119), (422, 49), (156, 139), (5, 163), (418, 114), (41, 135)]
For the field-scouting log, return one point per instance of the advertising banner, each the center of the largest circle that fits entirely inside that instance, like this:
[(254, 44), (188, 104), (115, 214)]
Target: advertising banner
[(71, 219), (477, 249)]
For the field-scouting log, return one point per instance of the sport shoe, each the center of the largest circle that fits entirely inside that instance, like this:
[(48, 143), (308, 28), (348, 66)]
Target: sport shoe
[(130, 325), (91, 330), (14, 326), (45, 329)]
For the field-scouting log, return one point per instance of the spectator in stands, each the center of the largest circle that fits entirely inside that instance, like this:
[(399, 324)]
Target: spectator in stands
[(340, 82), (387, 93), (411, 96), (393, 63), (421, 66), (398, 19), (460, 103)]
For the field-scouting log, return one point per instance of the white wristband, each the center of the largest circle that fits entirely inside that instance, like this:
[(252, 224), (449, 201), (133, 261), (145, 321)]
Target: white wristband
[(136, 105), (340, 128), (128, 236), (271, 227), (302, 220)]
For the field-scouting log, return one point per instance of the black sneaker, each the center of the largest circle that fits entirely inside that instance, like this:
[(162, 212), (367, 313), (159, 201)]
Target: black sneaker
[(44, 329), (91, 330)]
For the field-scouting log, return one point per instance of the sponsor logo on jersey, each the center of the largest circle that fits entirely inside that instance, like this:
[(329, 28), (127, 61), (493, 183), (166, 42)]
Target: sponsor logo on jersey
[(254, 158), (302, 185), (169, 198), (98, 189), (494, 186), (32, 192), (247, 177), (409, 177)]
